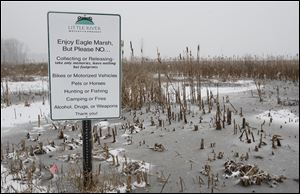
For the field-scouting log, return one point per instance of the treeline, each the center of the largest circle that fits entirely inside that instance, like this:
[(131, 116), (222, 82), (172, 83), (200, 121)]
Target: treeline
[(22, 71), (13, 52)]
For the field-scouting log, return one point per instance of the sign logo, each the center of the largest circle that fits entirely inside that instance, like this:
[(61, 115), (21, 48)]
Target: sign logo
[(84, 20), (84, 24)]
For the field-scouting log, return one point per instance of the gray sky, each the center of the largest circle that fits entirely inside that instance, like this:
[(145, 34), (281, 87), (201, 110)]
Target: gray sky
[(229, 28)]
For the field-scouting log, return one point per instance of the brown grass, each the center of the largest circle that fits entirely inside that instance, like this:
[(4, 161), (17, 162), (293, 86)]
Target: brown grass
[(139, 87)]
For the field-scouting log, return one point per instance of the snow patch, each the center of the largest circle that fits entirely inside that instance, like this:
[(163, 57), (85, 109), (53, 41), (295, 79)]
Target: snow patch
[(11, 185), (243, 85), (279, 116), (102, 124), (30, 86), (18, 114)]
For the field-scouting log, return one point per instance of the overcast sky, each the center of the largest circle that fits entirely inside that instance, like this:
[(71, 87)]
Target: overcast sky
[(228, 28)]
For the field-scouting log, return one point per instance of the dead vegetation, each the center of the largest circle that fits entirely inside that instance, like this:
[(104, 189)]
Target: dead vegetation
[(145, 84), (139, 87), (24, 72), (250, 174), (158, 147)]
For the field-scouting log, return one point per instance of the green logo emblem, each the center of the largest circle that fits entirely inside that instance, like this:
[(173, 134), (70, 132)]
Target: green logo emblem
[(84, 20)]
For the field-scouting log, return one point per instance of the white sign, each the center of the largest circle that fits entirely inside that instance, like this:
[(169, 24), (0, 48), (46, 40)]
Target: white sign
[(84, 65)]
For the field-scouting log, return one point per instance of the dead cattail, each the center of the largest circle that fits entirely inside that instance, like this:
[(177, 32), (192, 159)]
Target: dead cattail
[(278, 98), (125, 159), (258, 87), (145, 177), (138, 178), (114, 161), (208, 181), (108, 132), (2, 155), (228, 117), (99, 169), (60, 134), (117, 158), (252, 137), (159, 122), (39, 121), (114, 136), (100, 133), (202, 144), (181, 184), (129, 187), (195, 127), (106, 151)]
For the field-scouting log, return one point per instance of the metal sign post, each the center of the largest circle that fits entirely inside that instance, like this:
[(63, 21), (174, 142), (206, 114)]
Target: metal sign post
[(87, 152)]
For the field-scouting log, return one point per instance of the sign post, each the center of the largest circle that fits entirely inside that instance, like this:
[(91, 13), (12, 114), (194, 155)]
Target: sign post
[(87, 151), (84, 71)]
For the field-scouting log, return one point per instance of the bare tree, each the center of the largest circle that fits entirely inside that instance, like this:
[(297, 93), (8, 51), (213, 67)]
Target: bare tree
[(13, 51)]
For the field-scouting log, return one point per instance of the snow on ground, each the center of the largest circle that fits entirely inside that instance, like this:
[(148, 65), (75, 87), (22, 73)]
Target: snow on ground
[(120, 152), (18, 114), (49, 148), (241, 86), (142, 166), (140, 185), (123, 188), (119, 189), (102, 124), (34, 86), (116, 152), (9, 184), (279, 116)]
